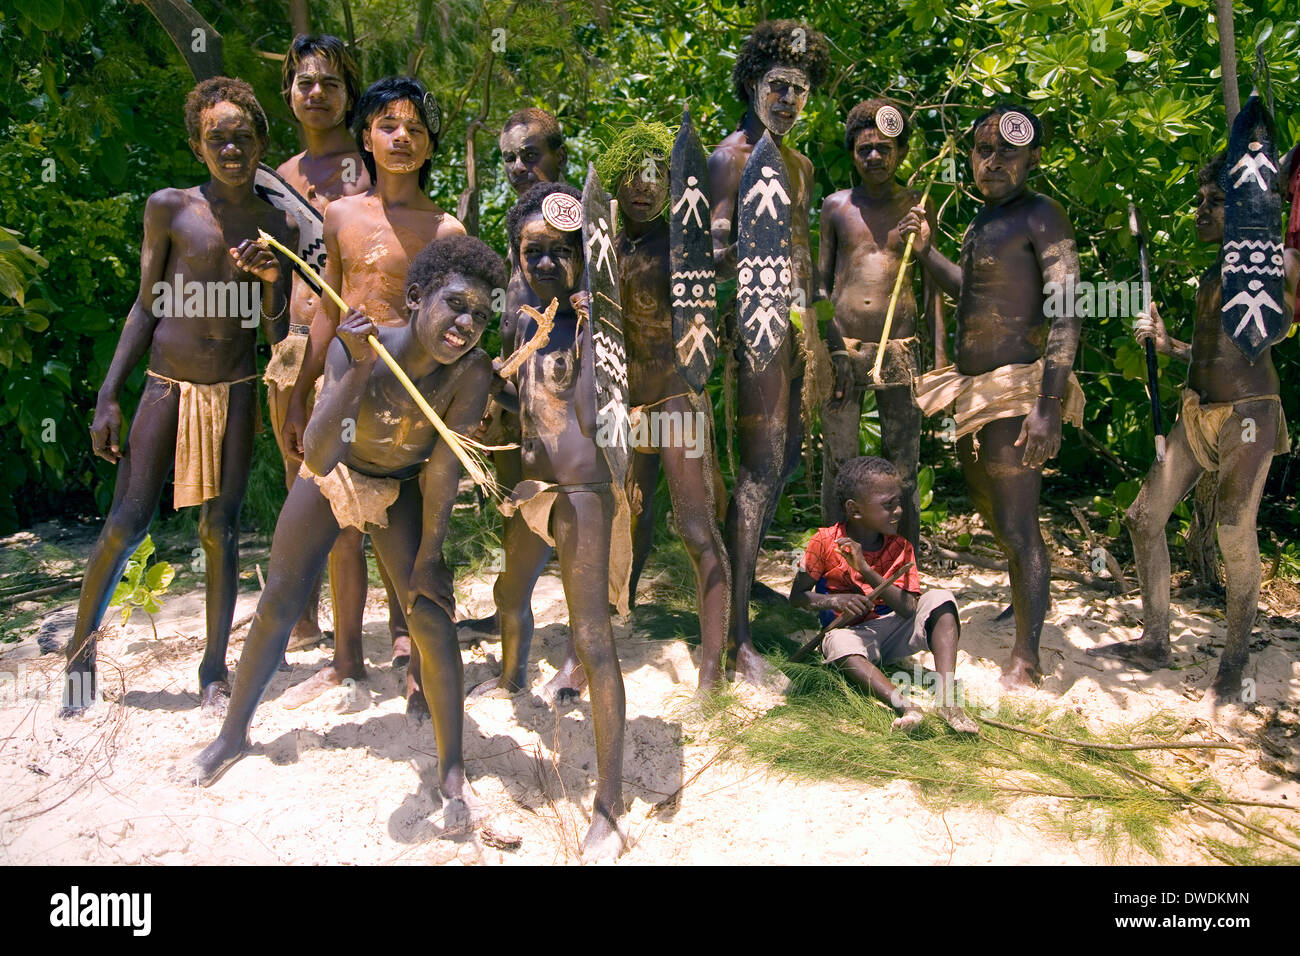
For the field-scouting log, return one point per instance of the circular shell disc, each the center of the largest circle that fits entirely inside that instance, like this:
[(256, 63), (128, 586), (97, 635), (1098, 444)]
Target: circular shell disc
[(889, 121), (1016, 128), (562, 211)]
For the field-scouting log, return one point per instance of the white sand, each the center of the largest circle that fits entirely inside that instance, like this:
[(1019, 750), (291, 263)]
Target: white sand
[(349, 779)]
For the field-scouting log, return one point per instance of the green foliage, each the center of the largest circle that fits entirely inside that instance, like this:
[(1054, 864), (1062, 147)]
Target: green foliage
[(1128, 91), (142, 583)]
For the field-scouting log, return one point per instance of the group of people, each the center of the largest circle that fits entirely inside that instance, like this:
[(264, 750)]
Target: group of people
[(361, 457)]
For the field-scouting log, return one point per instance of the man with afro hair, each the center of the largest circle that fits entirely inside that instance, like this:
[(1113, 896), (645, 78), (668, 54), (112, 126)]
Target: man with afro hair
[(779, 65)]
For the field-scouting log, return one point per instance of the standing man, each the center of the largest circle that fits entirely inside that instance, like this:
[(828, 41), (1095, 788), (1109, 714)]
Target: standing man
[(779, 64), (1013, 383)]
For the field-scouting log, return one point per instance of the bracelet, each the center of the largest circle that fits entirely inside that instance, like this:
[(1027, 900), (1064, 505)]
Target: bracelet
[(283, 305), (845, 352), (1053, 397)]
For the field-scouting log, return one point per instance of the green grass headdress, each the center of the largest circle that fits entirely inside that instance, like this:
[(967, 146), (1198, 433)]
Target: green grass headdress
[(629, 149)]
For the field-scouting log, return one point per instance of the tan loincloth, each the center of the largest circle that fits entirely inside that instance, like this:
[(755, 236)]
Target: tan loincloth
[(1007, 392), (357, 500), (534, 499), (899, 366), (286, 358), (200, 431), (1203, 425)]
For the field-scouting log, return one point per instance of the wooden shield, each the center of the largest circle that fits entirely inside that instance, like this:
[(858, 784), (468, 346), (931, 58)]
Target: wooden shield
[(606, 326), (690, 252), (763, 255), (1254, 314)]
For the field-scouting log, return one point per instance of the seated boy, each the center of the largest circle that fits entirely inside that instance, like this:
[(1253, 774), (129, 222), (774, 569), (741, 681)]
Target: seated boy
[(373, 462), (566, 501), (850, 559), (200, 395)]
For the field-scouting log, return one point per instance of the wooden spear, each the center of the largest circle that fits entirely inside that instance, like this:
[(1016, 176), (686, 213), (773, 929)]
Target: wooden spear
[(902, 268)]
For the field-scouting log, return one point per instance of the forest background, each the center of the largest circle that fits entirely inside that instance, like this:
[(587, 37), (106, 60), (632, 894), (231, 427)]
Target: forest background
[(1130, 94)]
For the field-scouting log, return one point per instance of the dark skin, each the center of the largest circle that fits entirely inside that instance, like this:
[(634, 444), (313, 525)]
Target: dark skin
[(768, 418), (202, 234), (557, 400), (370, 240), (528, 160), (392, 439), (1020, 241), (859, 256), (1217, 371), (319, 98), (873, 512), (653, 377)]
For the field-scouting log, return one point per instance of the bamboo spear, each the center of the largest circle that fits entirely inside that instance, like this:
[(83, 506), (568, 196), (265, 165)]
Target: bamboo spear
[(464, 448), (902, 268)]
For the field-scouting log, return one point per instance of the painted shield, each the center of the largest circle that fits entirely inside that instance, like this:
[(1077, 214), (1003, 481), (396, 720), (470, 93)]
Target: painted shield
[(1254, 314), (690, 252), (763, 255), (606, 326), (311, 224)]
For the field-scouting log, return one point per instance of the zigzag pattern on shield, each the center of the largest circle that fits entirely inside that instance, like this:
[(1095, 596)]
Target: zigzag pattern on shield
[(610, 359), (1253, 312)]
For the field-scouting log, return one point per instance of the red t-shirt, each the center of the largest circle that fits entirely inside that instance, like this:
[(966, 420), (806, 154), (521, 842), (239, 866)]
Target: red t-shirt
[(824, 563)]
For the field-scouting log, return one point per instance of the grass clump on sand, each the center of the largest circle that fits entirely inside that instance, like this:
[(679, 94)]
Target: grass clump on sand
[(827, 729)]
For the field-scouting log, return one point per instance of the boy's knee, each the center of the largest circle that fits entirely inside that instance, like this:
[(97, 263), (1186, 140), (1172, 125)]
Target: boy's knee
[(1238, 542), (124, 533), (217, 529), (427, 617)]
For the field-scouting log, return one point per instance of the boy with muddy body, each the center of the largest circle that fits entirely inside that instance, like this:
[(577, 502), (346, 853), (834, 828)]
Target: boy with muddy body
[(205, 287), (1013, 382), (321, 86), (565, 503), (858, 258), (1231, 423), (391, 475), (370, 241)]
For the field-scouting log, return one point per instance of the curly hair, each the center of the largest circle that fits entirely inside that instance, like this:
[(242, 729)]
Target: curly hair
[(466, 255), (392, 89), (224, 89), (1212, 172), (530, 204), (855, 474), (863, 116), (780, 42), (330, 49), (629, 149), (1009, 108), (544, 121)]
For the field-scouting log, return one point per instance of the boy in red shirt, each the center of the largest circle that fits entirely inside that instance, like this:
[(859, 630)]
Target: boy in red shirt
[(846, 561)]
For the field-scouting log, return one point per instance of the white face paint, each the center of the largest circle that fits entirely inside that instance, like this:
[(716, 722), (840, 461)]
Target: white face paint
[(780, 97)]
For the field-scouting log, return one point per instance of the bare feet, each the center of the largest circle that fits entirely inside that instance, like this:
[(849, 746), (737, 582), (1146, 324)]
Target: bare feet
[(498, 688), (215, 759), (604, 841), (78, 689), (958, 720), (325, 678), (401, 651), (1022, 674), (753, 669), (214, 698), (481, 625), (1147, 653), (305, 634), (567, 684), (416, 706), (1230, 683), (908, 721)]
